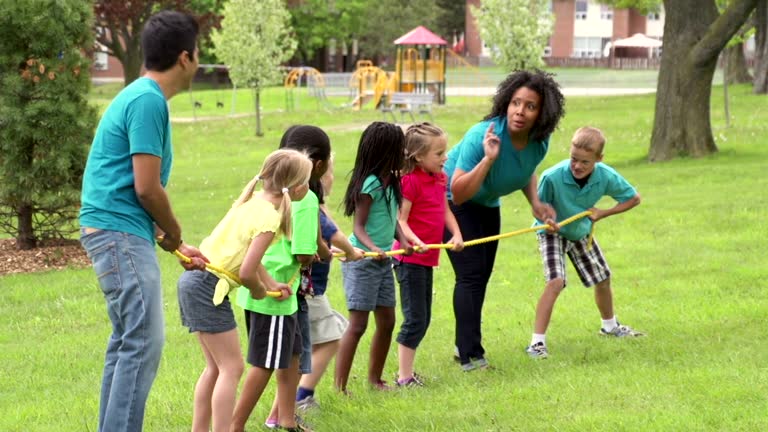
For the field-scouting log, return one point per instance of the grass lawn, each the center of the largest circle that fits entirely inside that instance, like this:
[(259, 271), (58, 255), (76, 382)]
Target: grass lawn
[(686, 263)]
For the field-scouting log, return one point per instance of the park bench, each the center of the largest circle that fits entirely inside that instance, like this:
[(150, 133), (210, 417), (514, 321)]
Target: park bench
[(421, 103)]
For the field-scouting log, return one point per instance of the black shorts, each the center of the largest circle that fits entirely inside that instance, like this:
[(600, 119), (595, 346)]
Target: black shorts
[(272, 339)]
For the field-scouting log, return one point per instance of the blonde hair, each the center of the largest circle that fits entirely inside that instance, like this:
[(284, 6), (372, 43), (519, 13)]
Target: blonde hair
[(418, 139), (590, 139), (282, 170)]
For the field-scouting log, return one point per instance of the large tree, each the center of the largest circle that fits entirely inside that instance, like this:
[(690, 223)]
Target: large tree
[(46, 123), (387, 20), (695, 33), (517, 30), (119, 24), (254, 40), (316, 22), (761, 47)]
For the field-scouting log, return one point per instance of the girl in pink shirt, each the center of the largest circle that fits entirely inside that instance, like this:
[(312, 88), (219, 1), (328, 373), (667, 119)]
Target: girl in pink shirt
[(424, 215)]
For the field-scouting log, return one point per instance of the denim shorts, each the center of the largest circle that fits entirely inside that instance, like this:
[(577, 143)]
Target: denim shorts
[(305, 358), (195, 292), (368, 284)]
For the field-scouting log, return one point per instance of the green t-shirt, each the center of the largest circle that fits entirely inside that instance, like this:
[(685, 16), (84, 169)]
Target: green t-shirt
[(382, 219), (280, 260)]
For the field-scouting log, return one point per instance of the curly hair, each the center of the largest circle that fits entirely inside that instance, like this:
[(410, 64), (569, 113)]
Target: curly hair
[(552, 100)]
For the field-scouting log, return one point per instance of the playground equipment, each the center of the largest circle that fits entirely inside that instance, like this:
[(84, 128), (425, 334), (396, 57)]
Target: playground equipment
[(372, 84), (420, 63)]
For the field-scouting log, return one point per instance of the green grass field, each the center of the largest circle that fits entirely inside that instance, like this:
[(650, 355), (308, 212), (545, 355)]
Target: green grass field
[(687, 270)]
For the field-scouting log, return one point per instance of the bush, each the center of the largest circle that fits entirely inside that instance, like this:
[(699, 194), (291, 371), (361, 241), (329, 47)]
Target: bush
[(46, 124)]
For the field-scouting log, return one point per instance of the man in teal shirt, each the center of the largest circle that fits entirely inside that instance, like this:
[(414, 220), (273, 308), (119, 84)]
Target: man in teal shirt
[(125, 206)]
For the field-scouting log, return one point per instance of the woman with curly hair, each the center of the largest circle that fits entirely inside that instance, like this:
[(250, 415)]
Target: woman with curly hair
[(496, 157)]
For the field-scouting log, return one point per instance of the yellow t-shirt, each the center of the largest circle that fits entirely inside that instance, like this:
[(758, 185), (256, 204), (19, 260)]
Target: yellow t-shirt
[(228, 243)]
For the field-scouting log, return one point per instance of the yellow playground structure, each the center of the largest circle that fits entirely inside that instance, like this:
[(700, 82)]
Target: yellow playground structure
[(420, 63), (419, 68)]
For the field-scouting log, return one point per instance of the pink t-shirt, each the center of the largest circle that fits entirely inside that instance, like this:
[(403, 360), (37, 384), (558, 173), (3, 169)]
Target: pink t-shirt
[(426, 192)]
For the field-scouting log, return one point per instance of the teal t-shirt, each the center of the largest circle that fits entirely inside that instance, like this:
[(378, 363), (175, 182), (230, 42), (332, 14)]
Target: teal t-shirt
[(280, 260), (558, 188), (512, 169), (136, 122), (382, 219)]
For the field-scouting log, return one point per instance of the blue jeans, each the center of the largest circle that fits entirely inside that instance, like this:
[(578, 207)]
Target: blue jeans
[(129, 276)]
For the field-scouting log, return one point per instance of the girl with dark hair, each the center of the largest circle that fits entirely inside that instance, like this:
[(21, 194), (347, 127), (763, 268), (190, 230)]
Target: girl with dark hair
[(373, 198), (495, 158), (302, 247)]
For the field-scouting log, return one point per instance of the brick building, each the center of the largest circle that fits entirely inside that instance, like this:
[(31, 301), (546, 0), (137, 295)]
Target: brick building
[(582, 29)]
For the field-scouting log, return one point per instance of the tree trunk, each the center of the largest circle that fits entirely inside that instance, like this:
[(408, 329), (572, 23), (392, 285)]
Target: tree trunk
[(694, 36), (25, 239), (760, 85), (735, 65), (132, 65), (257, 92)]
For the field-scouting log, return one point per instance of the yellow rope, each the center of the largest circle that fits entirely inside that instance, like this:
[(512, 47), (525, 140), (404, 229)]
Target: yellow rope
[(486, 239), (220, 271)]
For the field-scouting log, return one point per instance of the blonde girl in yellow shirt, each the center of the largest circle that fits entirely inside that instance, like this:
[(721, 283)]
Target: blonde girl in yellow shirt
[(237, 244)]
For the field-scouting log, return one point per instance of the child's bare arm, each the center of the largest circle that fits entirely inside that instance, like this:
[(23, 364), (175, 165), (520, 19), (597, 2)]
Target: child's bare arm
[(351, 253), (621, 207), (362, 210), (402, 219), (251, 268), (453, 227)]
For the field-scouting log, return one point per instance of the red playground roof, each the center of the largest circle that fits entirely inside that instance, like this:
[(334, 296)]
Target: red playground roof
[(420, 36)]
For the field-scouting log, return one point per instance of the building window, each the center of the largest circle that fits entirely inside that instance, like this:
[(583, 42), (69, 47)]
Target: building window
[(588, 47), (100, 61), (548, 51), (606, 12), (581, 9), (654, 16)]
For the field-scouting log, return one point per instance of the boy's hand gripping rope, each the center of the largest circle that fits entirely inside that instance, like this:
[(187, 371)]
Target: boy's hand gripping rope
[(487, 239)]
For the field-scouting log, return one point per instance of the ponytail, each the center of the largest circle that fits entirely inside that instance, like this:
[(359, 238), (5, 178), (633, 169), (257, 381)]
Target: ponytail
[(285, 213), (247, 192)]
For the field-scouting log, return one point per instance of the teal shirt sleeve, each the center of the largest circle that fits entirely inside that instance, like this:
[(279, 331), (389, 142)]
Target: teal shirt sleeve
[(147, 124), (619, 188)]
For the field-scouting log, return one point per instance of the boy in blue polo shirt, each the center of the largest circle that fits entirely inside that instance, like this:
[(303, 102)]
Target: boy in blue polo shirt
[(570, 187)]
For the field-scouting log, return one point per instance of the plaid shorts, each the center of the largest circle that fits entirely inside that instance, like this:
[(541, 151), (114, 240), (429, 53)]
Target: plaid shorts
[(589, 262)]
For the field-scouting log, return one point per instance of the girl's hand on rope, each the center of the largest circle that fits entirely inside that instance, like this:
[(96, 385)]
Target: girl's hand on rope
[(356, 255), (457, 242), (597, 214), (418, 246), (197, 259), (380, 254), (553, 226), (283, 289)]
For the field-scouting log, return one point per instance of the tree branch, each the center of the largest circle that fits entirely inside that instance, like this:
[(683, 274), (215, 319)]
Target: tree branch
[(721, 31)]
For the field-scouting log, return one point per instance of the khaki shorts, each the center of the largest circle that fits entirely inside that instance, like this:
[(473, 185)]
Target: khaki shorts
[(325, 324)]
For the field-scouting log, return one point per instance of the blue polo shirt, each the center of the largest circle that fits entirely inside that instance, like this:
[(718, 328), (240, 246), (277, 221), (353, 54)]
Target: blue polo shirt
[(511, 171), (558, 188), (320, 270), (135, 122), (382, 218)]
